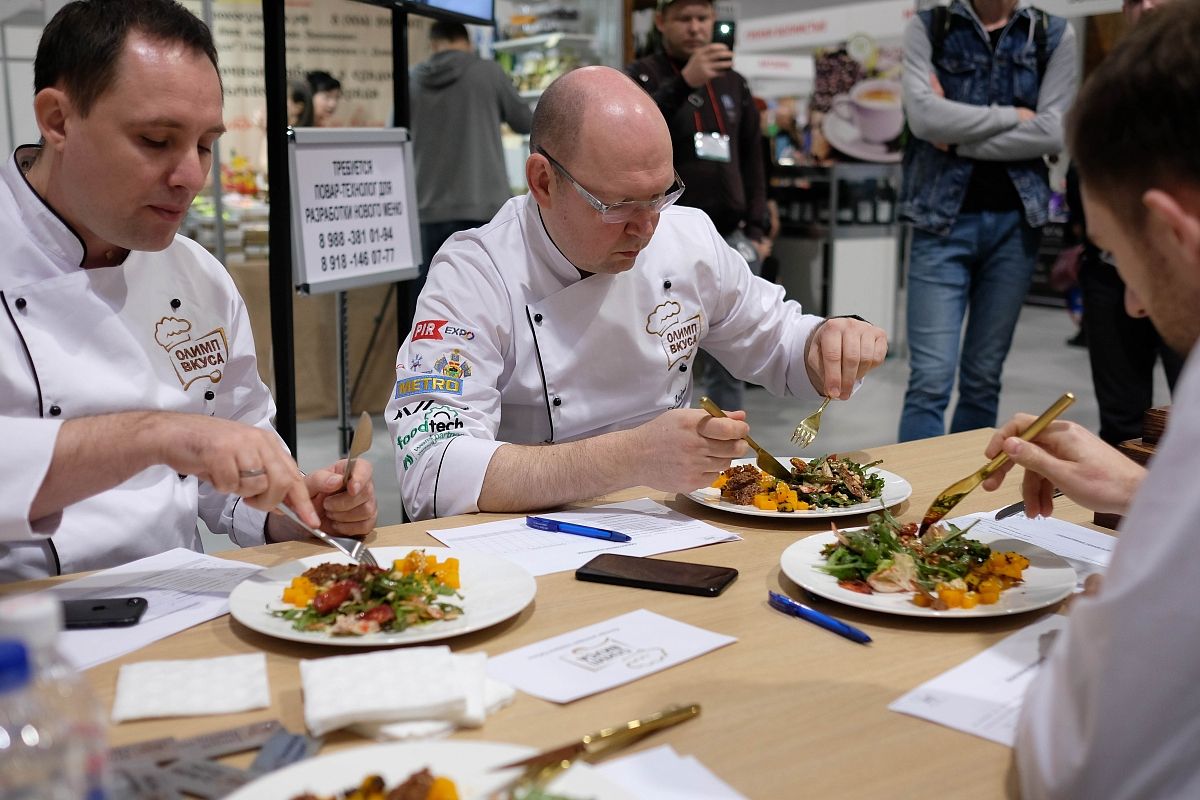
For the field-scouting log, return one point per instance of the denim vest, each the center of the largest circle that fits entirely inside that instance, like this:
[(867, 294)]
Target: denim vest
[(935, 182)]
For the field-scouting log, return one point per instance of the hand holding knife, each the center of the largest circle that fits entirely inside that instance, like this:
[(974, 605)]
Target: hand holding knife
[(361, 443)]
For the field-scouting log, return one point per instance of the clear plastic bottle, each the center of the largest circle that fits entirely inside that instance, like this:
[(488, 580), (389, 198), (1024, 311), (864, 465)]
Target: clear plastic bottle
[(36, 758), (36, 620)]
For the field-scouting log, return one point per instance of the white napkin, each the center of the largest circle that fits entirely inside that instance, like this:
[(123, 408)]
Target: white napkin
[(418, 683), (485, 696), (663, 774), (191, 688)]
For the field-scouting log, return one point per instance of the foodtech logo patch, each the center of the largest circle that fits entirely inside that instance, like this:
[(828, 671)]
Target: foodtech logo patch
[(192, 358), (679, 337)]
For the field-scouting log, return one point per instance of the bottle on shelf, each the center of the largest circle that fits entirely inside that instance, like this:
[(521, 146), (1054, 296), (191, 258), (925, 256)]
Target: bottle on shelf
[(864, 207), (885, 203), (36, 621)]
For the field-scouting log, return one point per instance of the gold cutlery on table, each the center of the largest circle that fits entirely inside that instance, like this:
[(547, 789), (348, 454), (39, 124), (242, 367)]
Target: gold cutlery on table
[(765, 461), (806, 431), (541, 767), (956, 491)]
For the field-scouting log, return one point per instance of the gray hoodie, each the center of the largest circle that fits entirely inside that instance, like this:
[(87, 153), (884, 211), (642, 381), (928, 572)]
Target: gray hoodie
[(458, 103)]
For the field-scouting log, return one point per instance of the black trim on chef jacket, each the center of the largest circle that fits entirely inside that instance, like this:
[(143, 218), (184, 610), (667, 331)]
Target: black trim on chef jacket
[(38, 385), (542, 371), (437, 478), (49, 207)]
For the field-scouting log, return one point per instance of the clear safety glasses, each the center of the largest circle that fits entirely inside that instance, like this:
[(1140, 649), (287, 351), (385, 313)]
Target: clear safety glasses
[(619, 213)]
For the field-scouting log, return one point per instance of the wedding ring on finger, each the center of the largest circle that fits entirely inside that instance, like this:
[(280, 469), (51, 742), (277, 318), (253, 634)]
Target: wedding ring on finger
[(251, 473)]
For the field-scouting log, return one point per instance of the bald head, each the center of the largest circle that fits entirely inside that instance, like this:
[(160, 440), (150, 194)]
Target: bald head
[(599, 111)]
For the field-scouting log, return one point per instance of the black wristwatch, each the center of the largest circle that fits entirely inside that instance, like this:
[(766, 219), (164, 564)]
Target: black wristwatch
[(851, 316)]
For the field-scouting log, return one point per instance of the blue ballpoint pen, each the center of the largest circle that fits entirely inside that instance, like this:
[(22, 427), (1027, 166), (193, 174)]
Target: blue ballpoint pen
[(544, 524), (789, 606)]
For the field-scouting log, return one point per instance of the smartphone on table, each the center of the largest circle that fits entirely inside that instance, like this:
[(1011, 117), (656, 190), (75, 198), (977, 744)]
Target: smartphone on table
[(110, 612), (653, 573)]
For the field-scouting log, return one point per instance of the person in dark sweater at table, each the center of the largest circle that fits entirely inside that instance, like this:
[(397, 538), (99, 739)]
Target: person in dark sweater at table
[(715, 135)]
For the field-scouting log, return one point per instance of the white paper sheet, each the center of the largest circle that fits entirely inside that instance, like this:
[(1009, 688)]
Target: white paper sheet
[(663, 774), (654, 527), (983, 696), (601, 656), (182, 588), (1088, 551)]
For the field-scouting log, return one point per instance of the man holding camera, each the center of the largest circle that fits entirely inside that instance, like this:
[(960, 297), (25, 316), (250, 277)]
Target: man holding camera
[(715, 138)]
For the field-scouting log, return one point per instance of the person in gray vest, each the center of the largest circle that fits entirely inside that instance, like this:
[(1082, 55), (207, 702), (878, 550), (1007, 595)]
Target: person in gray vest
[(986, 85)]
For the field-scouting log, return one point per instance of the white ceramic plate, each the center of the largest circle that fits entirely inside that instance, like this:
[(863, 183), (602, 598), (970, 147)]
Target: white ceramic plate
[(1047, 581), (895, 491), (844, 135), (492, 591), (469, 764)]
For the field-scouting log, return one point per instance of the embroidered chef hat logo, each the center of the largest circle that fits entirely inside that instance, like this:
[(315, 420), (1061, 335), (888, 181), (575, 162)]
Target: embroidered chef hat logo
[(191, 358), (171, 331), (679, 336), (662, 317)]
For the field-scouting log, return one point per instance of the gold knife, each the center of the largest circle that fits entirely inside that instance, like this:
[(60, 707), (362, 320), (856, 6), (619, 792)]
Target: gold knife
[(765, 461), (361, 443), (609, 738), (956, 491)]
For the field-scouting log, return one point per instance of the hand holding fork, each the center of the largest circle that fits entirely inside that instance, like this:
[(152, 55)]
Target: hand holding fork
[(806, 431)]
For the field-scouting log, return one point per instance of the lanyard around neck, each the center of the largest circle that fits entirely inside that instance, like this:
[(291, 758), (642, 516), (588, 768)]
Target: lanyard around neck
[(712, 98)]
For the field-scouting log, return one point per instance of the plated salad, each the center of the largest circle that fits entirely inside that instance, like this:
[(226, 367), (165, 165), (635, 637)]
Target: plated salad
[(825, 482), (943, 568), (356, 600), (421, 785)]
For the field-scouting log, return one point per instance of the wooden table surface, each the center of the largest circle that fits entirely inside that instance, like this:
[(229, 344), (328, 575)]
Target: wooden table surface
[(790, 710)]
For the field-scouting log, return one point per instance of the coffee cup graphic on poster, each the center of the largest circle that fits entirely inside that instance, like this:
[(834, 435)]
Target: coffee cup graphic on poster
[(874, 108)]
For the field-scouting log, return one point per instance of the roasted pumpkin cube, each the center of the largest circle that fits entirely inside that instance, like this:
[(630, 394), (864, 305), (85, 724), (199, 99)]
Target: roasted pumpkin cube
[(765, 502), (447, 573)]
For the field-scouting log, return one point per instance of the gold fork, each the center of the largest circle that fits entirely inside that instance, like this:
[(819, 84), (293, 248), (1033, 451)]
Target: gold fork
[(956, 491), (806, 431)]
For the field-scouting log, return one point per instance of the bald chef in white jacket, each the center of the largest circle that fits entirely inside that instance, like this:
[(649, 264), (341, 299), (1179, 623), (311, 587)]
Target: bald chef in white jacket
[(130, 400), (551, 353)]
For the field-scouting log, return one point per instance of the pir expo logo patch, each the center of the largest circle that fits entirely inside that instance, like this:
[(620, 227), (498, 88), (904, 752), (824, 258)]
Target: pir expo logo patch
[(192, 359), (679, 336)]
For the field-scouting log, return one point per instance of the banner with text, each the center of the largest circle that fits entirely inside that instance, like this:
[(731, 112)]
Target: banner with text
[(353, 208)]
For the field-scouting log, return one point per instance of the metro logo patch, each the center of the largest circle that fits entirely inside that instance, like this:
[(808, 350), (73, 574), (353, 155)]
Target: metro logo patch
[(427, 384), (428, 329)]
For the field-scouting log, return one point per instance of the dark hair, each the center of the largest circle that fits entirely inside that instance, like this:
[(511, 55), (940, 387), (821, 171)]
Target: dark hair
[(1134, 124), (443, 31), (299, 92), (322, 81), (80, 46)]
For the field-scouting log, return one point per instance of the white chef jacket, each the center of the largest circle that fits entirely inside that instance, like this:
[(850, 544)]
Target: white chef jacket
[(511, 344), (163, 331), (1115, 711)]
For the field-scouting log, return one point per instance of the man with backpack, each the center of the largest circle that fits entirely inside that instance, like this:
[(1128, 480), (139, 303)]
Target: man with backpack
[(986, 85)]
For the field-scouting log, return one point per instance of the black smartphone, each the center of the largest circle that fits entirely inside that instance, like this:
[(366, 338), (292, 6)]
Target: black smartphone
[(652, 573), (724, 32), (111, 612)]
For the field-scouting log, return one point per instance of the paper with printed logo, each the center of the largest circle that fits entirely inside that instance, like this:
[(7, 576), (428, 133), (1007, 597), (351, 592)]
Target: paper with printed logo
[(601, 656), (654, 528)]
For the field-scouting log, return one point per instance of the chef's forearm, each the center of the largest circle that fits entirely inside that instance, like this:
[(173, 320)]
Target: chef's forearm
[(92, 455), (532, 477)]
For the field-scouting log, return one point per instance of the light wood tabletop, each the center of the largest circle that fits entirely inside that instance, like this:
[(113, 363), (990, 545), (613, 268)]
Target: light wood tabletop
[(790, 710)]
